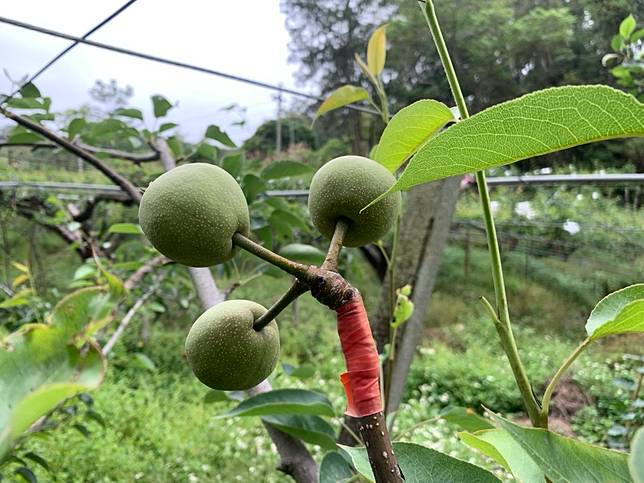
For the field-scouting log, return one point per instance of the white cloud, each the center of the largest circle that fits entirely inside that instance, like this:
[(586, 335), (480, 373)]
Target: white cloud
[(244, 38)]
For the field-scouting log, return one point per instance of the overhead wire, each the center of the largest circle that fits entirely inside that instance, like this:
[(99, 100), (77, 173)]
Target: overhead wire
[(175, 63), (58, 56)]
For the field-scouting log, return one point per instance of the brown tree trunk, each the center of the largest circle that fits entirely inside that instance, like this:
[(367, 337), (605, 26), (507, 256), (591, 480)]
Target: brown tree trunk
[(424, 233)]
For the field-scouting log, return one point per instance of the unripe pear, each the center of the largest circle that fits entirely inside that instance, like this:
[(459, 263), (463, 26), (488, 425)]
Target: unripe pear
[(191, 213), (225, 352), (343, 187)]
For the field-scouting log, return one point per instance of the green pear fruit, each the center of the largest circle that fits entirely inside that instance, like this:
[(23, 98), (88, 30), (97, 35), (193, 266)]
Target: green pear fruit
[(343, 187), (191, 213), (225, 352)]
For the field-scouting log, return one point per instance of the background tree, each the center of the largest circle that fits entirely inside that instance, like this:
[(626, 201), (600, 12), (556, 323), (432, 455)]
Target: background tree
[(325, 37), (294, 130), (508, 48)]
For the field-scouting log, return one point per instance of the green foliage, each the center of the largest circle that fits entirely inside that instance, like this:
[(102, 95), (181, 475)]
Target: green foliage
[(620, 312), (636, 460), (285, 169), (341, 97), (398, 142), (44, 367), (539, 123), (502, 448), (334, 468), (333, 148), (423, 465), (146, 412), (626, 62), (125, 229), (145, 423), (467, 419), (161, 106), (306, 427), (565, 459), (567, 113), (284, 401), (303, 253), (617, 410), (475, 376), (215, 132)]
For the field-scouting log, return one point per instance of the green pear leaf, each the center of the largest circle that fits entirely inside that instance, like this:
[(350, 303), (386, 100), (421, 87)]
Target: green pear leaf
[(565, 459), (502, 448), (539, 123), (620, 312), (307, 427), (408, 129), (636, 459), (420, 464), (283, 401), (342, 96), (41, 365), (334, 468)]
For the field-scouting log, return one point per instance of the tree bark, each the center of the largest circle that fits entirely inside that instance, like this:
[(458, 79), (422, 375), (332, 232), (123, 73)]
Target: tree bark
[(295, 459), (424, 233), (207, 290)]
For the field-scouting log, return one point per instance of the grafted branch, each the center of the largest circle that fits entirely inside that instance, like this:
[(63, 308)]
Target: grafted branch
[(331, 289)]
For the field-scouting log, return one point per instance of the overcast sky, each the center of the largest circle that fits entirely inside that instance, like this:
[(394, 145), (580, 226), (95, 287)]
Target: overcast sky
[(247, 38)]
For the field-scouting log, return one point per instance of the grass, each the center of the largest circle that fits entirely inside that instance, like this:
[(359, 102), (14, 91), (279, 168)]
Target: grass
[(158, 427)]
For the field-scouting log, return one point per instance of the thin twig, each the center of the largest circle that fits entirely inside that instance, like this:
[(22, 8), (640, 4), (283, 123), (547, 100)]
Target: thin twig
[(504, 329), (335, 246), (143, 270), (125, 321), (297, 289), (547, 395), (399, 436), (392, 306)]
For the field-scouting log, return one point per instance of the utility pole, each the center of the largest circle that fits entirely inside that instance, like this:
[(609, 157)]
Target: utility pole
[(291, 131), (278, 125)]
